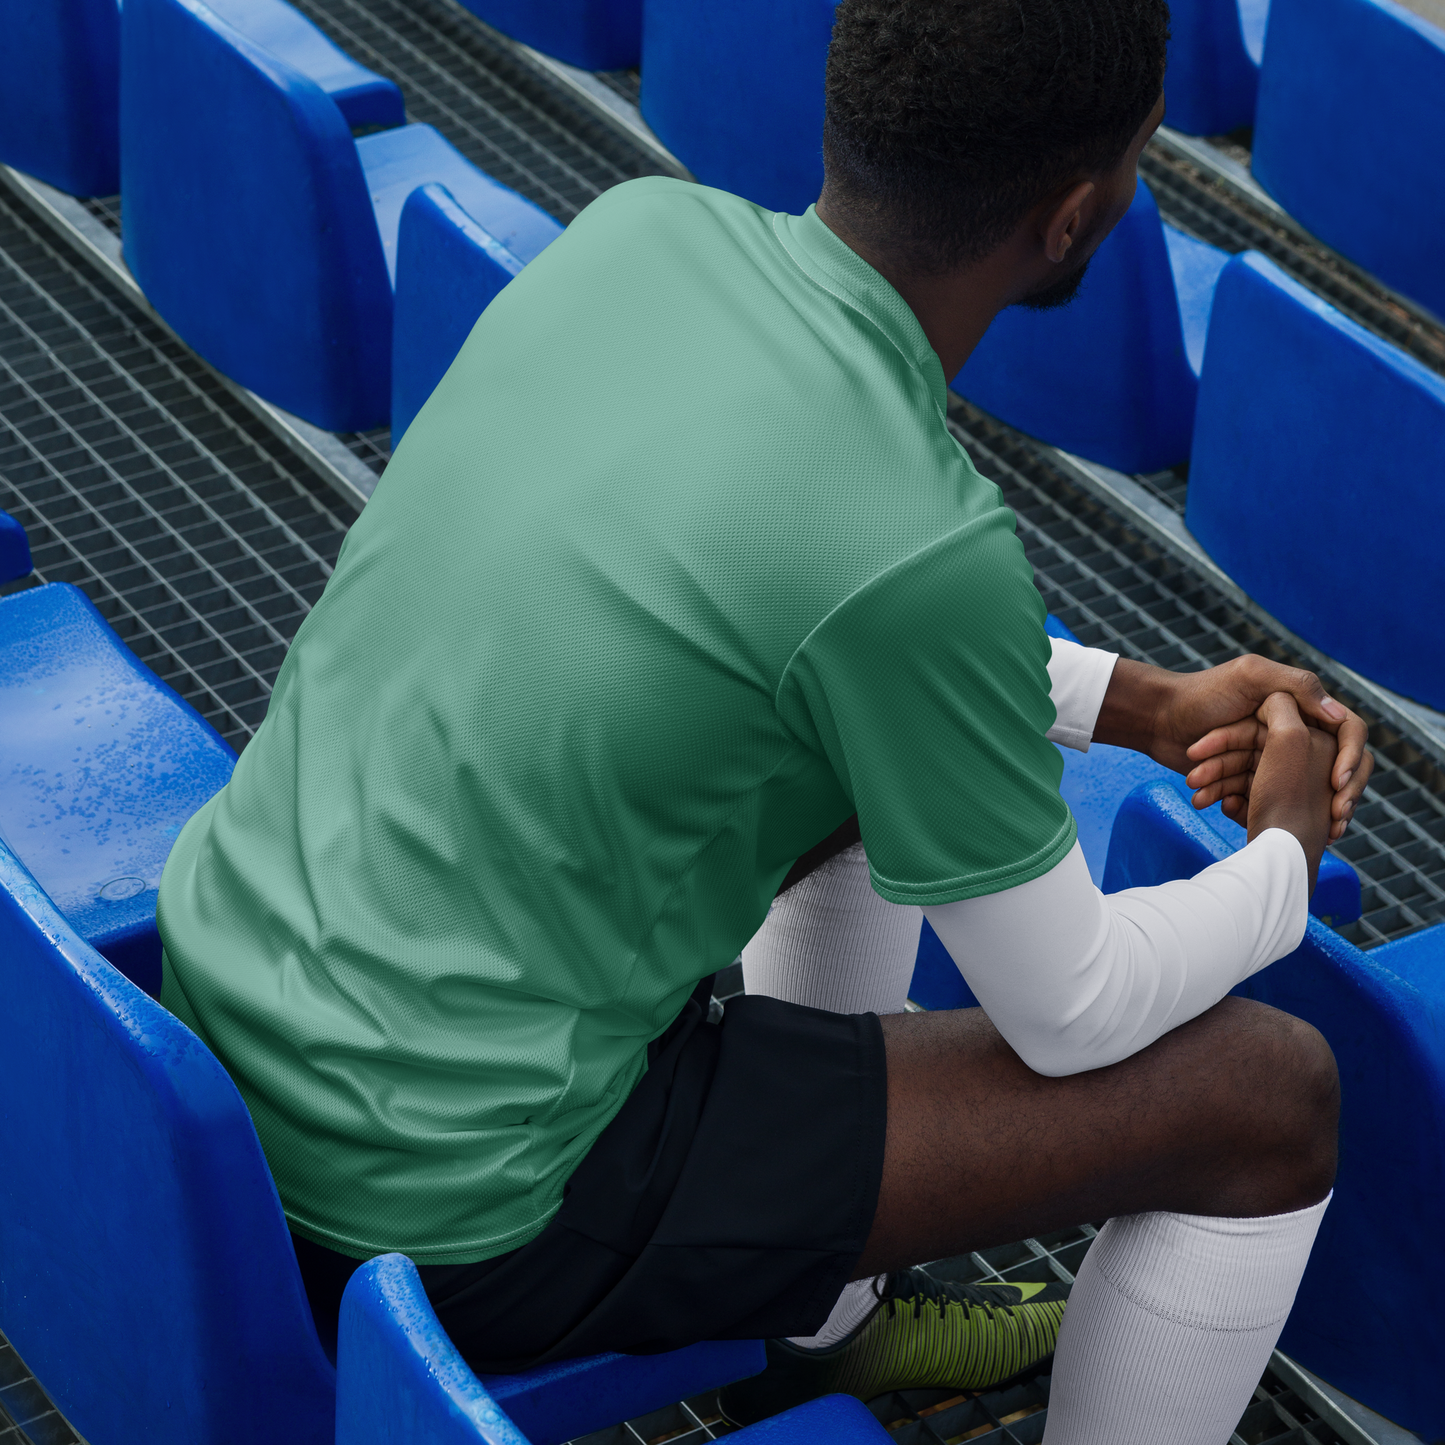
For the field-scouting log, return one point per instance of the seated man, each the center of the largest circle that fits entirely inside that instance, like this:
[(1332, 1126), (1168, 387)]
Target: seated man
[(678, 571)]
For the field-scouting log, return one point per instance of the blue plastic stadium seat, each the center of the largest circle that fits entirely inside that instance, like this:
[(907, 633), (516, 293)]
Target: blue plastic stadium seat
[(400, 1379), (59, 98), (14, 550), (1315, 477), (257, 226), (148, 1278), (1114, 375), (1349, 130), (1215, 50), (1094, 785), (736, 93), (448, 269), (1358, 1320), (100, 766), (594, 34)]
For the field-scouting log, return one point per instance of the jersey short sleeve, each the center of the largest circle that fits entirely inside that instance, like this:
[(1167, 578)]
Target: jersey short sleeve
[(927, 688)]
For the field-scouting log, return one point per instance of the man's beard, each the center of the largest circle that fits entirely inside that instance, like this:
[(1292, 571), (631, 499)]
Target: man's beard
[(1050, 298)]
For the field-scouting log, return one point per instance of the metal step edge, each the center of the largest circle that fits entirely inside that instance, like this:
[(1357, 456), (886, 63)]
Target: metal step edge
[(321, 450), (1239, 181), (1164, 526), (616, 110), (1354, 1423), (582, 85)]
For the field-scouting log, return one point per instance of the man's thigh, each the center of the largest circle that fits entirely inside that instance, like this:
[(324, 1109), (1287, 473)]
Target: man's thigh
[(1230, 1114)]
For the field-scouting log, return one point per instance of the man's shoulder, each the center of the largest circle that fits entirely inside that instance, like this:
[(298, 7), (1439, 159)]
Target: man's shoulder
[(667, 196)]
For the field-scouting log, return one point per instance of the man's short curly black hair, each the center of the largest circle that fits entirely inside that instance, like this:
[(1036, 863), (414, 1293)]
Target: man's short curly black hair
[(948, 119)]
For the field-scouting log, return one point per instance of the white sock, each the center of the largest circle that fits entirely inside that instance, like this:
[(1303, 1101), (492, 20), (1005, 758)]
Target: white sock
[(855, 1304), (831, 942), (1170, 1325)]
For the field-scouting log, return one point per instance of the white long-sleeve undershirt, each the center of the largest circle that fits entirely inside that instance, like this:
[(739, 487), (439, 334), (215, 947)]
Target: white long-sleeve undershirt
[(1076, 979), (1078, 679)]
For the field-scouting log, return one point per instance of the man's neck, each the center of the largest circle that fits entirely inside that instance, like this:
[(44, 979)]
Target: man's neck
[(954, 309)]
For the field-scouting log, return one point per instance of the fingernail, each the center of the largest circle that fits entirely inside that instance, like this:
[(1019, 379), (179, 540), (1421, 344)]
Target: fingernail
[(1332, 709), (1347, 812), (1344, 780)]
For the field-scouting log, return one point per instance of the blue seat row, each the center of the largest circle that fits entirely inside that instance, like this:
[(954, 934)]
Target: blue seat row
[(1357, 1321), (1349, 131), (144, 1257), (60, 100), (1115, 375), (398, 1378), (100, 764), (262, 231), (1347, 103), (265, 173), (1312, 478), (1216, 48)]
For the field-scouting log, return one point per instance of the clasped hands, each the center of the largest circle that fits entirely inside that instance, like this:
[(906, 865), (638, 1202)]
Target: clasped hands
[(1266, 739)]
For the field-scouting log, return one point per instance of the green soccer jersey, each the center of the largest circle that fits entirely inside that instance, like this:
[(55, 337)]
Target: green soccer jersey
[(677, 569)]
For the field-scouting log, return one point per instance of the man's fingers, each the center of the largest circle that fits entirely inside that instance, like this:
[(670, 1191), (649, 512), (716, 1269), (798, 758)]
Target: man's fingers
[(1236, 785), (1310, 696), (1233, 737), (1352, 737), (1278, 712), (1240, 760), (1237, 808)]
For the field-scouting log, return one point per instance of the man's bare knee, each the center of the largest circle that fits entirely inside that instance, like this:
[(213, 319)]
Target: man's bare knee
[(1286, 1094)]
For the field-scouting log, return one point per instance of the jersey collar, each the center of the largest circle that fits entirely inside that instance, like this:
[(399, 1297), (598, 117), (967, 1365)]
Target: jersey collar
[(842, 272)]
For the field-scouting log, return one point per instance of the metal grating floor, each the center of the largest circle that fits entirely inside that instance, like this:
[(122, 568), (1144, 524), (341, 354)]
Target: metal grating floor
[(201, 539), (26, 1415)]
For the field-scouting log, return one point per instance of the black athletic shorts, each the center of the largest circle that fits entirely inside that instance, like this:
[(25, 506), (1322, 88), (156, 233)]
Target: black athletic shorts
[(730, 1198)]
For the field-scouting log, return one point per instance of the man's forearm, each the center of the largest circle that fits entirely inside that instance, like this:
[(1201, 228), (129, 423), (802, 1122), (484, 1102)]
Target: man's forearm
[(1135, 705)]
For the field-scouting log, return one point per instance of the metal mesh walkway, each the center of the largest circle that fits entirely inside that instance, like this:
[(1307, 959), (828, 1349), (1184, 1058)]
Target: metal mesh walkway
[(141, 480)]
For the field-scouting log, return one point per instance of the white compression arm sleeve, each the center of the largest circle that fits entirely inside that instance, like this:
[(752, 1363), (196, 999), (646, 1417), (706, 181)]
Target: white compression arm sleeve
[(1076, 979), (1078, 679)]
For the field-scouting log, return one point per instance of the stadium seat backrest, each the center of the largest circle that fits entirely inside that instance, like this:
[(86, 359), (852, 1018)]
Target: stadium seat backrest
[(363, 97), (59, 96), (1383, 1014), (1315, 476), (736, 93), (146, 1274), (1349, 132), (1109, 375), (1215, 47), (14, 550), (448, 269), (399, 1378), (247, 215), (101, 765), (593, 34)]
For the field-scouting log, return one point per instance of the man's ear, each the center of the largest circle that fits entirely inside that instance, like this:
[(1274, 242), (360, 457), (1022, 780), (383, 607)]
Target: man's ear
[(1065, 222)]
